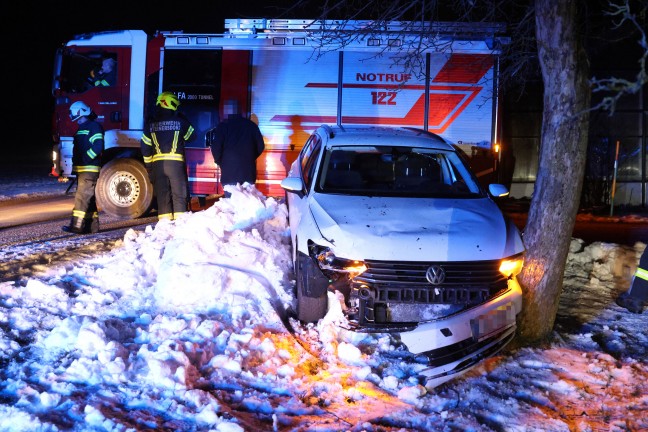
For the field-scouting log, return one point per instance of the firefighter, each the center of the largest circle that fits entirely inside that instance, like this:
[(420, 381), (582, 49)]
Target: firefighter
[(163, 149), (105, 76), (86, 163), (636, 297)]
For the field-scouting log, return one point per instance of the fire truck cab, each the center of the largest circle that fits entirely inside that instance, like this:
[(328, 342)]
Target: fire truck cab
[(289, 77)]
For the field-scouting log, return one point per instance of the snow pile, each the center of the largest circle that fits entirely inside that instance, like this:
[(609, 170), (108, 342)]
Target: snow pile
[(185, 326)]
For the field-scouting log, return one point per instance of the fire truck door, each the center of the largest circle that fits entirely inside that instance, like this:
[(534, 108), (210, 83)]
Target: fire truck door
[(109, 83)]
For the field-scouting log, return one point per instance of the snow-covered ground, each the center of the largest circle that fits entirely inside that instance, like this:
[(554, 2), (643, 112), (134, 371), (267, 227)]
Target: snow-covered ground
[(182, 327)]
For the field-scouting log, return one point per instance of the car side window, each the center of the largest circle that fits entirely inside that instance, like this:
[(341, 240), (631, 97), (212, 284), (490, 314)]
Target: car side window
[(308, 159)]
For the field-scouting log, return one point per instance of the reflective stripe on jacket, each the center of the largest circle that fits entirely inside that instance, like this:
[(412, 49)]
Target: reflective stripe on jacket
[(88, 147), (164, 137)]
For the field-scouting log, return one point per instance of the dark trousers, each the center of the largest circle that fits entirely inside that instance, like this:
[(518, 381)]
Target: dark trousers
[(85, 216), (171, 188), (85, 203)]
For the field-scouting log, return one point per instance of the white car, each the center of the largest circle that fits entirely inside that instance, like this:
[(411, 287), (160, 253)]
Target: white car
[(394, 219)]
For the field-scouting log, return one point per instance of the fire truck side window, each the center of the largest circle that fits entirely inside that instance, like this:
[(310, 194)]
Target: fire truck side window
[(104, 74), (195, 76), (83, 71)]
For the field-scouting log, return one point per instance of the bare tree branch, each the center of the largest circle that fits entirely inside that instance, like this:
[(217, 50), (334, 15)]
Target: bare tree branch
[(615, 86)]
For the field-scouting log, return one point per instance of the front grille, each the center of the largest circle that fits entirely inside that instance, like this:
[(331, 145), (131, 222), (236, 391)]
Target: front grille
[(445, 295), (466, 282), (392, 293)]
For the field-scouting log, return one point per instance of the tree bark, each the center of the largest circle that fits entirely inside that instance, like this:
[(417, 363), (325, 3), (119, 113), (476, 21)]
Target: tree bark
[(563, 148)]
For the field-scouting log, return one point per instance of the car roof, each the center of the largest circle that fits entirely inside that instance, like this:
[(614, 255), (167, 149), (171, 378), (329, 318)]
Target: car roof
[(382, 135)]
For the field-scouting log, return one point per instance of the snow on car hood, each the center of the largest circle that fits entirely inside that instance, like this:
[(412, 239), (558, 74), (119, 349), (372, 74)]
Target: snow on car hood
[(414, 229)]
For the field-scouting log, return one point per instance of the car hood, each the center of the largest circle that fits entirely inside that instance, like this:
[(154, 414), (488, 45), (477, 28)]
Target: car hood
[(414, 229)]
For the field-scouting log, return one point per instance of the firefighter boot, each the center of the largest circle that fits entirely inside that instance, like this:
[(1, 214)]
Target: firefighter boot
[(92, 225), (76, 226)]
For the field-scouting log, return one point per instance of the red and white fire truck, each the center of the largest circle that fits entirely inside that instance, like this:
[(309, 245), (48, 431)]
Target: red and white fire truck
[(290, 78)]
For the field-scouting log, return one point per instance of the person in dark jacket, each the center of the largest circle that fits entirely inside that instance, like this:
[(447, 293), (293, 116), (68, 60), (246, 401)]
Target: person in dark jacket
[(636, 298), (86, 163), (163, 149), (237, 143)]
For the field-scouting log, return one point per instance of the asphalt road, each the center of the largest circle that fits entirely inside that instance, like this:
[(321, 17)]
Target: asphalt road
[(37, 219), (26, 221), (27, 211)]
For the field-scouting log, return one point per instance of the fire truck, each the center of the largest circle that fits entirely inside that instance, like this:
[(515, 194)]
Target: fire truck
[(289, 76)]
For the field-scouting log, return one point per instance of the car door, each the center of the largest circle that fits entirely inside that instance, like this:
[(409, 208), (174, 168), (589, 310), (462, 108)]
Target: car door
[(305, 167)]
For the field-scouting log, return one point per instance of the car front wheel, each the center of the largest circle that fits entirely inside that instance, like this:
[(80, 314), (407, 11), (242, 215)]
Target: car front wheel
[(312, 299)]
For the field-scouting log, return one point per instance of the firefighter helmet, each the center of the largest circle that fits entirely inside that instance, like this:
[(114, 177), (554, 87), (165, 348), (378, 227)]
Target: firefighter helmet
[(168, 100), (79, 109)]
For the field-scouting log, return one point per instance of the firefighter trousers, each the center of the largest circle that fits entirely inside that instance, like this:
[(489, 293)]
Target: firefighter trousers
[(85, 216), (171, 188)]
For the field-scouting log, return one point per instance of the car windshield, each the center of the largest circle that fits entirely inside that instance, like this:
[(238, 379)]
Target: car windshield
[(395, 171)]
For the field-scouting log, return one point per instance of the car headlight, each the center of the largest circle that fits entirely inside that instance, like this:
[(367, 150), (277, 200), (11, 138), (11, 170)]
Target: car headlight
[(512, 266), (327, 260)]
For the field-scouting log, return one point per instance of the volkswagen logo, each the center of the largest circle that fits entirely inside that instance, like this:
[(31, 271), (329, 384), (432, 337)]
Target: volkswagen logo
[(435, 275)]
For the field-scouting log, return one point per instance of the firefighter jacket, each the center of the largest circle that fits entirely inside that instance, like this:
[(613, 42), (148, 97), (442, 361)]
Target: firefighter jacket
[(639, 287), (164, 137), (88, 147), (102, 80), (237, 143)]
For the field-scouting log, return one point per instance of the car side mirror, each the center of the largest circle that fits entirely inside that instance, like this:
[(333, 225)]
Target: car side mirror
[(498, 190), (293, 185)]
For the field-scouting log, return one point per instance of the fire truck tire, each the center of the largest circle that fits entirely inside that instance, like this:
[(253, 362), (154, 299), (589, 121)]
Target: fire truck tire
[(123, 189)]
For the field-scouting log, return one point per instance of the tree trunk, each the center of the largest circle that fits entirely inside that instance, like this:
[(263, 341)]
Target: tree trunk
[(563, 147)]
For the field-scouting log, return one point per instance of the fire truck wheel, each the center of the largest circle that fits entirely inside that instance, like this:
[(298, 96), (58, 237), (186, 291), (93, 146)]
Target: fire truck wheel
[(123, 189)]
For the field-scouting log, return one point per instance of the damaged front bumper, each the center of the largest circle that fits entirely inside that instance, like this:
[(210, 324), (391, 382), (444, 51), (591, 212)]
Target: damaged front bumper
[(458, 339), (454, 344)]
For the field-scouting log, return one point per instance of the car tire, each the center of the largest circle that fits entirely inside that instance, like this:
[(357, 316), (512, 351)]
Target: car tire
[(309, 309), (123, 189)]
